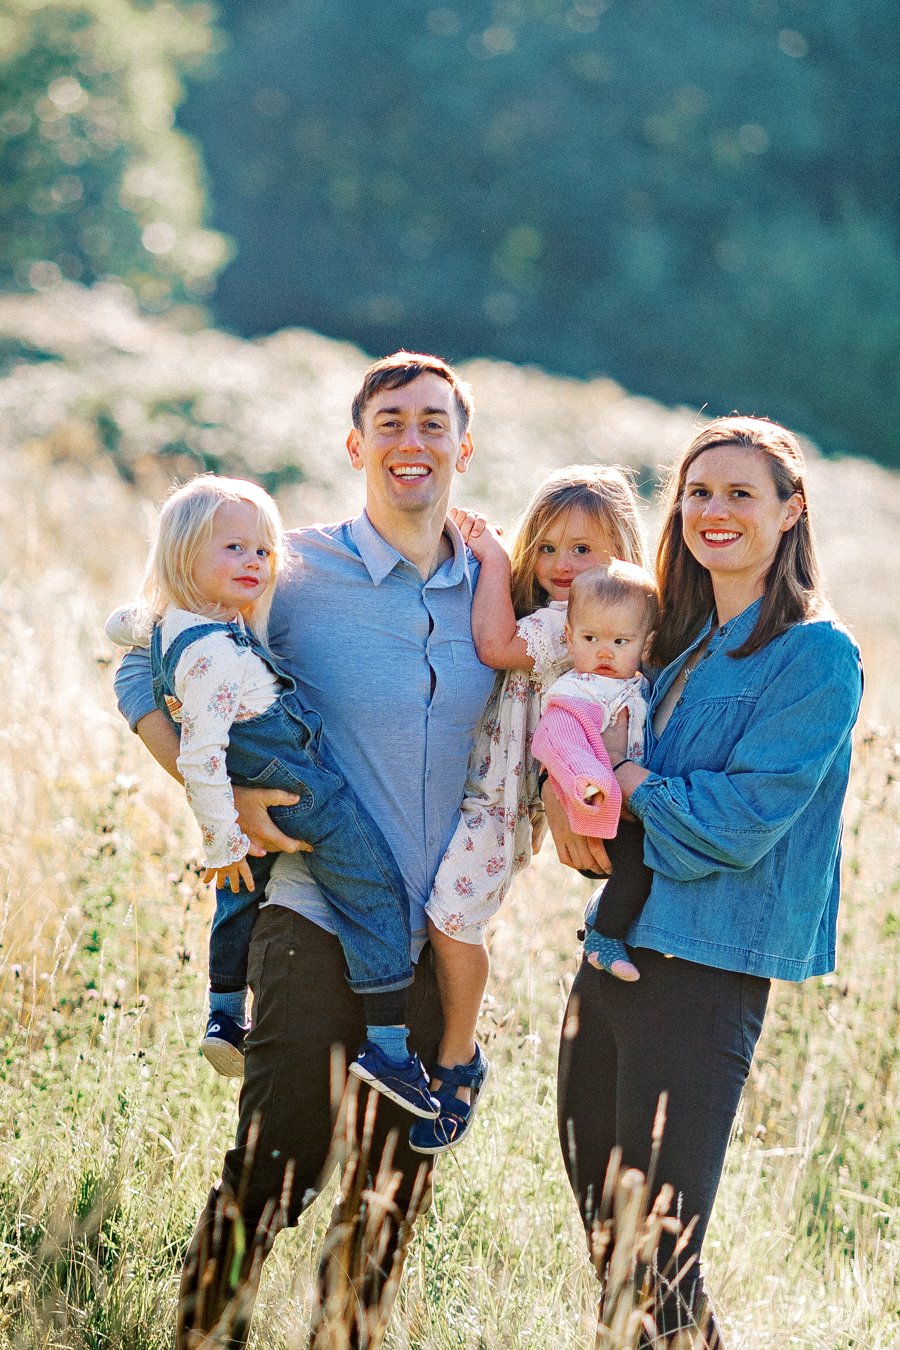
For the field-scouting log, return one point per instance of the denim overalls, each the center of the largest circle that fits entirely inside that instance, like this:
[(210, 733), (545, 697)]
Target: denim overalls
[(351, 862)]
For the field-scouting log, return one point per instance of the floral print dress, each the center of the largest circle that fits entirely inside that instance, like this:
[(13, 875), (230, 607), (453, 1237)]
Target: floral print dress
[(492, 841)]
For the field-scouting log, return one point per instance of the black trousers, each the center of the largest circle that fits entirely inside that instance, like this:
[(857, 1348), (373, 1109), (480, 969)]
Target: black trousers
[(302, 1008), (684, 1029), (624, 894)]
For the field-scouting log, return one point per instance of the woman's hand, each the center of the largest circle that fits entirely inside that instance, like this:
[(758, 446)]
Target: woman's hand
[(259, 827), (538, 829), (615, 738), (573, 850), (232, 875), (483, 539), (629, 775)]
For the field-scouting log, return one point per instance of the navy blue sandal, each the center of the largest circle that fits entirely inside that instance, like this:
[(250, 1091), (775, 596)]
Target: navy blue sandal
[(455, 1118)]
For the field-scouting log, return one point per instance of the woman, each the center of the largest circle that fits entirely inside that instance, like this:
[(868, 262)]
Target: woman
[(747, 760)]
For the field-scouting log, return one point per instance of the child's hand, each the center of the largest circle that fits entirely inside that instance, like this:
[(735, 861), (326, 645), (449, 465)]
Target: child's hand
[(232, 876), (482, 538)]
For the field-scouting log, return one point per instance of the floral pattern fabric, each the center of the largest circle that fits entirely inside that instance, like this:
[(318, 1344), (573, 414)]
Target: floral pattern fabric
[(216, 683), (492, 841)]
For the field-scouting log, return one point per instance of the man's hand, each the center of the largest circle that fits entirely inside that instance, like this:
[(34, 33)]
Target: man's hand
[(259, 827), (232, 875), (573, 850), (483, 539)]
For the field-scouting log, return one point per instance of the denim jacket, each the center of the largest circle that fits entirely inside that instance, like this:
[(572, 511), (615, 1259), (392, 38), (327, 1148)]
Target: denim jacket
[(742, 806)]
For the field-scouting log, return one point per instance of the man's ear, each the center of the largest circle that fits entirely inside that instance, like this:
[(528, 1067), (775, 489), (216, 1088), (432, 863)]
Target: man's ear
[(466, 451), (353, 450)]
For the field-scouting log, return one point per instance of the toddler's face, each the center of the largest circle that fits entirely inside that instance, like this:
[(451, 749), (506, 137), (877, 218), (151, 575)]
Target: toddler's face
[(607, 639), (233, 568)]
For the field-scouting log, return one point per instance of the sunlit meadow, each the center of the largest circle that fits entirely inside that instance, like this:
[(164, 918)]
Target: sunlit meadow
[(112, 1127)]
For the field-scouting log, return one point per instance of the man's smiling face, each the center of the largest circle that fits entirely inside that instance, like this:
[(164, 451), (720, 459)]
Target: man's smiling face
[(409, 447)]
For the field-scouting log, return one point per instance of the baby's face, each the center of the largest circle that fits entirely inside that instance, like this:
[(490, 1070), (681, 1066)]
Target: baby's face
[(607, 639)]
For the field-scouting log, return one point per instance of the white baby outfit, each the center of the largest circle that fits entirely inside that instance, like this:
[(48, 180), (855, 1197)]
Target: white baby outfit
[(611, 696), (492, 841)]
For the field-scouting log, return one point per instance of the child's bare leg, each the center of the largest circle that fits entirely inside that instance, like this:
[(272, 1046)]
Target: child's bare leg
[(462, 975)]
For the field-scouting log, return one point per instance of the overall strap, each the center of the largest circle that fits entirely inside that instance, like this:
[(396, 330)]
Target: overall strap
[(164, 664)]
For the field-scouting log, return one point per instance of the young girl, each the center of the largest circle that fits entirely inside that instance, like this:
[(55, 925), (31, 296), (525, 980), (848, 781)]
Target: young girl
[(581, 516), (209, 584), (611, 614)]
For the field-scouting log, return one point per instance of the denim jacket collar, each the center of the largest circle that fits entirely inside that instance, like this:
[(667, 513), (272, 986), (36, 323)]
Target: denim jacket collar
[(736, 630)]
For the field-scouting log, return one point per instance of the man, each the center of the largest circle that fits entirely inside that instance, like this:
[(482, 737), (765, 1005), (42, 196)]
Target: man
[(374, 624)]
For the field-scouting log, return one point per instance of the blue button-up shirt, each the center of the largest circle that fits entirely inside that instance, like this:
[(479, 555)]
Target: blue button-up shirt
[(387, 660), (742, 806)]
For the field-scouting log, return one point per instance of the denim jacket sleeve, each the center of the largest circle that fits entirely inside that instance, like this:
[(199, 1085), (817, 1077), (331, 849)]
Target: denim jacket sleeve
[(727, 820), (134, 686)]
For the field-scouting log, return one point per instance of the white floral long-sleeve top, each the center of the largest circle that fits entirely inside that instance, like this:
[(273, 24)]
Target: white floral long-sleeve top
[(216, 683)]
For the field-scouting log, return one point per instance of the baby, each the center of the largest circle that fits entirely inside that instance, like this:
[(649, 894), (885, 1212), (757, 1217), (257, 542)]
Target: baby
[(611, 613)]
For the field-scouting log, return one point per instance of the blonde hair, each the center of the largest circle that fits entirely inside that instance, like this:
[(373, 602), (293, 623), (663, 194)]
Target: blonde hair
[(619, 583), (186, 524), (607, 497)]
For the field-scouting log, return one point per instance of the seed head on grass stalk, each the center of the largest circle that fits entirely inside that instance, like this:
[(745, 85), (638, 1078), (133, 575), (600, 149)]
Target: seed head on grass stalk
[(362, 1256), (222, 1270), (365, 1247), (624, 1240)]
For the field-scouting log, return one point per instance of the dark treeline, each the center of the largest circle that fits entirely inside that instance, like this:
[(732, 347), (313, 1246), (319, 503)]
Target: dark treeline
[(701, 200), (698, 200)]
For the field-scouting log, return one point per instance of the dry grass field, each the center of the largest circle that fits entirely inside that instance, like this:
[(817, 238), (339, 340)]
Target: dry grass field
[(112, 1127)]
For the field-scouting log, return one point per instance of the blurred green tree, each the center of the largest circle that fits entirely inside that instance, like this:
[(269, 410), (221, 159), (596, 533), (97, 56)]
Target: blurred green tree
[(699, 200), (95, 181)]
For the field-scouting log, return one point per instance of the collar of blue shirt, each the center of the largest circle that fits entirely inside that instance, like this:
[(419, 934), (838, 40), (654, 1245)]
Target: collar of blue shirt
[(381, 558)]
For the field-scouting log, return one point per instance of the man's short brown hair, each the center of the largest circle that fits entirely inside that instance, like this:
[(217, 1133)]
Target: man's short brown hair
[(393, 372)]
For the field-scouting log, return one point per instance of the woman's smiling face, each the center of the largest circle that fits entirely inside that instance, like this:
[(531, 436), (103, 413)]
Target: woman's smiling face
[(732, 517)]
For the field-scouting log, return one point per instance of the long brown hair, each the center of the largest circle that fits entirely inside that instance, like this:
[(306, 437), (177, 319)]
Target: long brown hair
[(793, 587), (606, 496)]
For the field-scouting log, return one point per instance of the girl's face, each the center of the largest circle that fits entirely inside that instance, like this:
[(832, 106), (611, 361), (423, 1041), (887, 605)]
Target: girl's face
[(234, 567), (732, 516), (570, 545)]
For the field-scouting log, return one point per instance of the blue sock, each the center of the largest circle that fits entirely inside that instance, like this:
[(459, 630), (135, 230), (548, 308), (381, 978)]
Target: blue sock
[(391, 1040), (232, 1004)]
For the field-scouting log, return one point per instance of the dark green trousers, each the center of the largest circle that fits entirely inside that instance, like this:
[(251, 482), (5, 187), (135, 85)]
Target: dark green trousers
[(283, 1152)]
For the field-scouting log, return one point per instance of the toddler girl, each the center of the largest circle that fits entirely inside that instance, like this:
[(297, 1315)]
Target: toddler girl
[(611, 614), (580, 517), (208, 586)]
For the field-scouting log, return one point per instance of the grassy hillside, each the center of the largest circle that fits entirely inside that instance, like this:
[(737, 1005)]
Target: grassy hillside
[(113, 1127)]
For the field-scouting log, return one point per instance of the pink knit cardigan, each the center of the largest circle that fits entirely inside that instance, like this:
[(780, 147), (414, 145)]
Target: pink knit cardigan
[(569, 745)]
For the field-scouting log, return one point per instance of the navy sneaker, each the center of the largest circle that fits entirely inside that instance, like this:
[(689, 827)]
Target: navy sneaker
[(405, 1083), (454, 1121), (223, 1045)]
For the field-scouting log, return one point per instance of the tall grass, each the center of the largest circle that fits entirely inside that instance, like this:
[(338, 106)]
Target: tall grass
[(112, 1128)]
